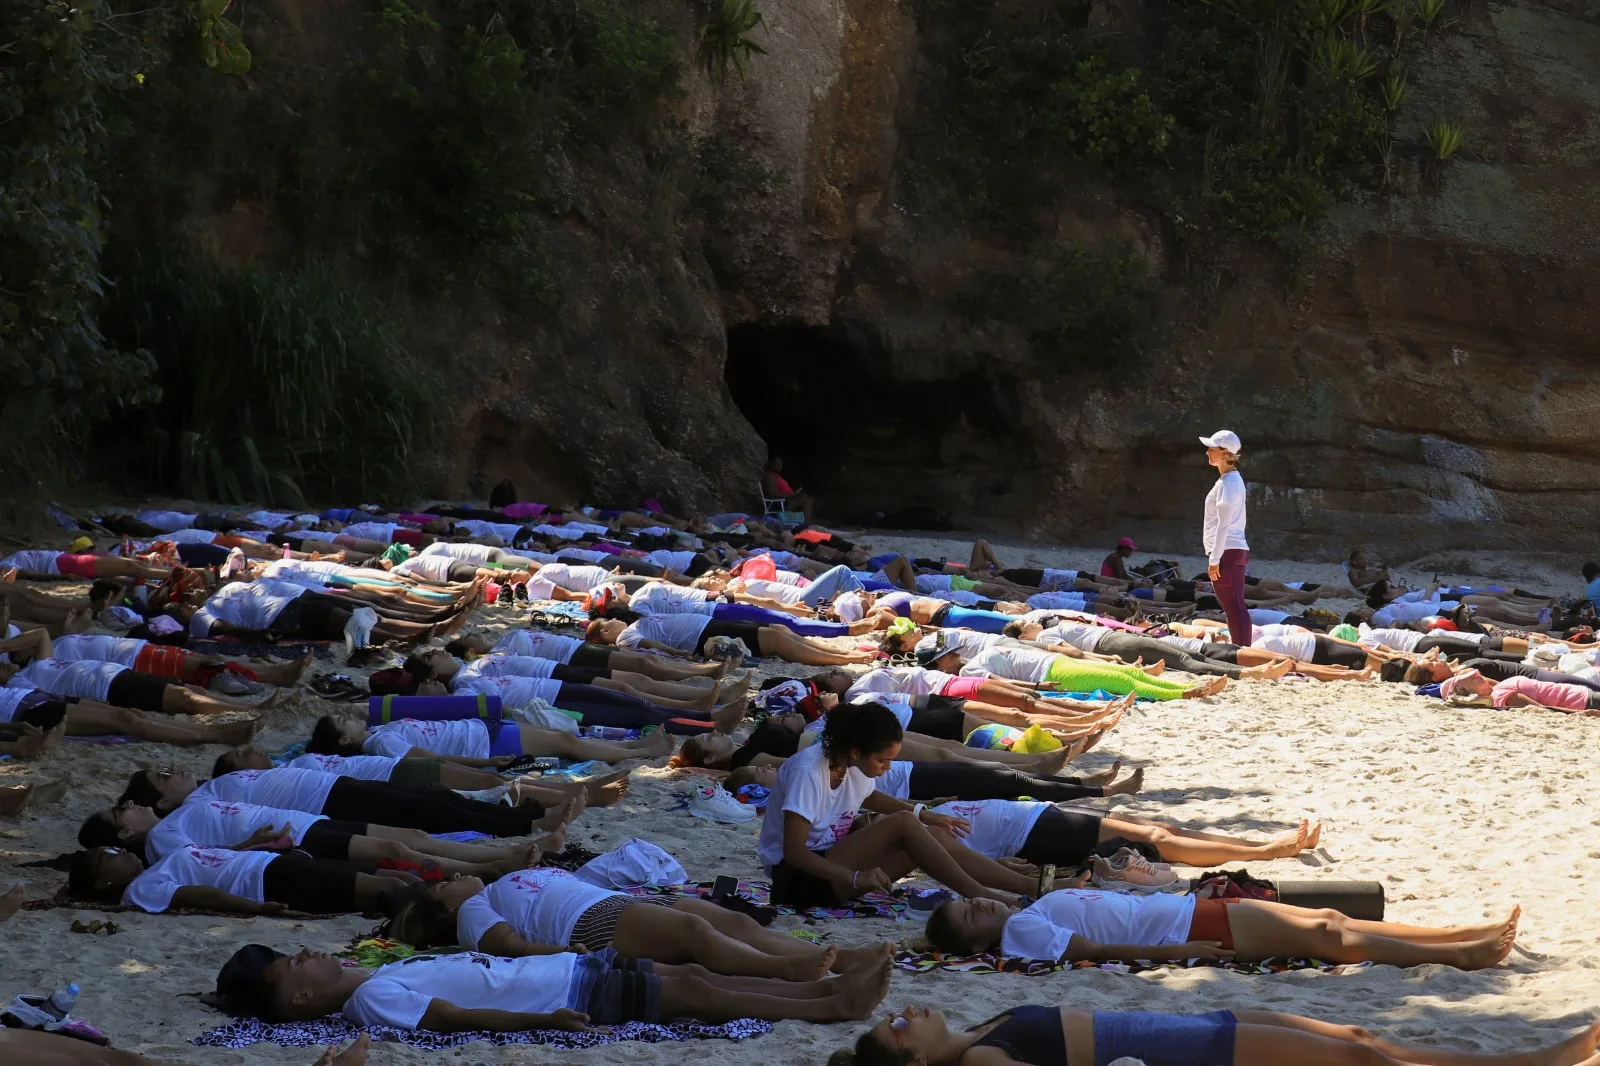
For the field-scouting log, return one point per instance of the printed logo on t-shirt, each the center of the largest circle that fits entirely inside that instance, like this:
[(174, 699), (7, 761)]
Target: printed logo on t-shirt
[(227, 808), (209, 857)]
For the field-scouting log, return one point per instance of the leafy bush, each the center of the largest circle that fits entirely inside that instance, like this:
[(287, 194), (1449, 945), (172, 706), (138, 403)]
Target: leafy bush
[(725, 42), (1085, 312), (274, 387)]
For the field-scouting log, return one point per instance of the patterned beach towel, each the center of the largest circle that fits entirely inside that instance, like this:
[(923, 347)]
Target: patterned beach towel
[(928, 961), (246, 1031)]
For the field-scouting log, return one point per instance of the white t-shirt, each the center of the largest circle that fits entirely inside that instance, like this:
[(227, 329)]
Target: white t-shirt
[(804, 787), (539, 645), (426, 567), (460, 551), (999, 827), (500, 664), (383, 532), (775, 590), (1057, 601), (166, 521), (88, 679), (1266, 616), (1398, 639), (1395, 613), (286, 788), (1293, 641), (250, 605), (931, 583), (514, 691), (970, 642), (681, 631), (672, 560), (1043, 930), (35, 560), (185, 536), (541, 905), (572, 578), (467, 738), (399, 994), (223, 825), (897, 781), (908, 680), (1011, 661), (581, 555), (360, 767), (298, 569), (1076, 634), (238, 872), (506, 531), (659, 598), (76, 647)]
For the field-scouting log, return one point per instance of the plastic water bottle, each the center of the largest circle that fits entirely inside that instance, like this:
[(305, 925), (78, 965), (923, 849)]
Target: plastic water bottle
[(608, 732), (61, 1000)]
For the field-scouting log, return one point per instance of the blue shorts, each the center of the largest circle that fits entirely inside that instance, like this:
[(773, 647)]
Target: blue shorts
[(613, 990), (505, 738), (1143, 594), (1164, 1039)]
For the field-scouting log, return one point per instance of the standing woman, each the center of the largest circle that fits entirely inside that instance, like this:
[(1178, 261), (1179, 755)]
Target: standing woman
[(1226, 548)]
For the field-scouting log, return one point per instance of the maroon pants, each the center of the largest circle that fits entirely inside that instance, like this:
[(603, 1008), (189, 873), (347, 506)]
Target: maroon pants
[(1229, 588)]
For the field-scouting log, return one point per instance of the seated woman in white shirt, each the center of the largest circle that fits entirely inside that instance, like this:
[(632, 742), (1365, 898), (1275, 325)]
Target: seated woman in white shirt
[(470, 991), (472, 742), (545, 911), (234, 882), (1076, 923), (815, 855)]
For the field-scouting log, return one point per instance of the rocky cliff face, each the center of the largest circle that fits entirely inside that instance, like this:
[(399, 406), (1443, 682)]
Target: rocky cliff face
[(1423, 383)]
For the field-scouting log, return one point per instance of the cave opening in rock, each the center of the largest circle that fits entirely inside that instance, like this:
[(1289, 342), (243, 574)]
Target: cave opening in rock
[(875, 445)]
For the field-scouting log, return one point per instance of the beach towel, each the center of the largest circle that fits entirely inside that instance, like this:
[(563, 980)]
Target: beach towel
[(759, 893), (929, 961), (236, 647), (243, 1032), (62, 901), (558, 614)]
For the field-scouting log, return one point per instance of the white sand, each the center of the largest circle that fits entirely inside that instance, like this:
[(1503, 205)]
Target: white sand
[(1460, 812)]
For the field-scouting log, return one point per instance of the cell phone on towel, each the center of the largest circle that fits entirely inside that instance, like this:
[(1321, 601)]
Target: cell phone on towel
[(724, 886)]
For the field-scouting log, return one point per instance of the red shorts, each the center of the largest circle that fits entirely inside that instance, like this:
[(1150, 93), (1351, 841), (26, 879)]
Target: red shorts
[(161, 660), (69, 565), (414, 537), (962, 688), (1210, 922)]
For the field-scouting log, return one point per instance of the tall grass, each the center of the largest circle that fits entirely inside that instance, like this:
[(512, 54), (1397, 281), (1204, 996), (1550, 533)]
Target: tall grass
[(275, 387)]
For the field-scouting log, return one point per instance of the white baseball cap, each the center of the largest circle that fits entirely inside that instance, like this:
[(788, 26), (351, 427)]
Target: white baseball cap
[(1226, 439)]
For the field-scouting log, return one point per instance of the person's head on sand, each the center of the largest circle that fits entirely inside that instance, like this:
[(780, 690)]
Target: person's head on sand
[(124, 826), (1421, 672), (103, 873), (861, 736), (712, 751), (262, 983), (901, 637), (235, 759), (916, 1036), (833, 680), (428, 916), (604, 630), (935, 653), (967, 926), (161, 790), (1020, 630), (337, 735)]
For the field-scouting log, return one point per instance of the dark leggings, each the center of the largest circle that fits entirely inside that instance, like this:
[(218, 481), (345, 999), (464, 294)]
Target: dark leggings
[(604, 706), (970, 781), (763, 616), (1457, 648), (1024, 576), (1500, 670), (634, 566), (1130, 646), (1229, 589), (432, 810)]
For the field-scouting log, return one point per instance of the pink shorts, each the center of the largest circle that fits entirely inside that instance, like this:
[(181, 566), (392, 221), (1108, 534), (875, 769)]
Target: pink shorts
[(962, 688), (68, 565)]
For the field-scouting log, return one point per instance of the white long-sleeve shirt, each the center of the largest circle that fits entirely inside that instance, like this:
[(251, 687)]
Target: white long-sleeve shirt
[(1224, 528)]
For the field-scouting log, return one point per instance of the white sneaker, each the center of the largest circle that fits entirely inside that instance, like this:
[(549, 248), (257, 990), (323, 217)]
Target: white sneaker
[(359, 628), (718, 804)]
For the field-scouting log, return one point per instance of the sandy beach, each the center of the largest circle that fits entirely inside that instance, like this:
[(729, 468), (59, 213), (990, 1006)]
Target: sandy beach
[(1460, 812)]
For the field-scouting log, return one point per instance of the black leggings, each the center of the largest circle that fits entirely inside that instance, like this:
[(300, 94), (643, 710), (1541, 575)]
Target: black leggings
[(1024, 576), (971, 781), (1332, 652), (634, 566), (604, 706), (1500, 670), (313, 886), (1130, 646), (432, 810), (1457, 648), (1066, 838)]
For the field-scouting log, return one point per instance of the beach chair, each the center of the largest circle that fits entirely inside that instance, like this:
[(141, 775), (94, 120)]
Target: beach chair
[(770, 505)]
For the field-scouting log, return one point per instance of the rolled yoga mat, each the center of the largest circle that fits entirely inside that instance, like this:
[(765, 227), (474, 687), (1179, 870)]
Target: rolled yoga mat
[(1353, 899), (382, 709)]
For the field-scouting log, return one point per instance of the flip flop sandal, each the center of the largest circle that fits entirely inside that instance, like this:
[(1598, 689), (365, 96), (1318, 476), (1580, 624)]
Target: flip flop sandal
[(1047, 878)]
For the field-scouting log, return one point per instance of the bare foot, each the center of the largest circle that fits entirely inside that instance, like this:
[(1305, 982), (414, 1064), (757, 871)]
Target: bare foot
[(727, 718), (1569, 1052), (604, 791), (233, 734), (1270, 672), (354, 1055), (860, 991), (560, 816), (1128, 786), (1104, 777), (1481, 954), (655, 745), (1051, 762), (11, 902), (1489, 930), (1206, 688), (552, 843), (52, 791), (1303, 839), (873, 955), (810, 967)]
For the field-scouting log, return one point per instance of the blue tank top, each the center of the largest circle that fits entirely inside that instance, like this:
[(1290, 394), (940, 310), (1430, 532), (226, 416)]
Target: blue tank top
[(900, 601), (1031, 1035)]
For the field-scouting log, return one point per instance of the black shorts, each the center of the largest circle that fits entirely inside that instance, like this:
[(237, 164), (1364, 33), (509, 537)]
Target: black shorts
[(800, 890), (697, 566), (944, 722), (1025, 576), (1333, 653), (591, 657), (140, 692), (461, 572), (613, 991), (311, 616), (202, 554), (315, 886), (40, 710), (748, 632), (1219, 652), (578, 675), (330, 839), (1062, 837)]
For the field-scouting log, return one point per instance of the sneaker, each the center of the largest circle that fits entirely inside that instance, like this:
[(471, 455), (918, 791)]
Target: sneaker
[(1128, 865), (716, 803), (231, 684), (359, 628)]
